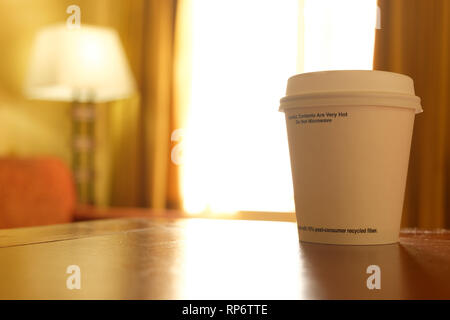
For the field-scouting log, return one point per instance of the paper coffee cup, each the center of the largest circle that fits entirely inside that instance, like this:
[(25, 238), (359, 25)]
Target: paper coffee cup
[(349, 136)]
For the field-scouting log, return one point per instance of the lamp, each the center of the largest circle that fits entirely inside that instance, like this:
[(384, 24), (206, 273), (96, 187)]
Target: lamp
[(82, 65)]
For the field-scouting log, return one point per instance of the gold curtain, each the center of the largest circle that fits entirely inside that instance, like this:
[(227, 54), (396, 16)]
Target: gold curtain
[(139, 129), (160, 179), (414, 40)]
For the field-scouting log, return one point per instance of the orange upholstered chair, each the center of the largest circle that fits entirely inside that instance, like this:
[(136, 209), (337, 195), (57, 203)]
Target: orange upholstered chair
[(35, 191)]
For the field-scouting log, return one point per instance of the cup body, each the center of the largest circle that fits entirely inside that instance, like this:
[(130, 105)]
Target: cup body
[(349, 173), (349, 158)]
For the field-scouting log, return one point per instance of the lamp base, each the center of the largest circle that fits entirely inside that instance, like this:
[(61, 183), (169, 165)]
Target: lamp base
[(83, 150)]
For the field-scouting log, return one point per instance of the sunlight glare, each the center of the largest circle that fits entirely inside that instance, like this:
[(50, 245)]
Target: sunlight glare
[(236, 155)]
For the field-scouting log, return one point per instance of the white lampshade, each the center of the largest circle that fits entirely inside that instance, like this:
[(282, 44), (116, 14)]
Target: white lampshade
[(84, 64)]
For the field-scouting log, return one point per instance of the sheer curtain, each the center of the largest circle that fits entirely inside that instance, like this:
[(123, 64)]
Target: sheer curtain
[(233, 59)]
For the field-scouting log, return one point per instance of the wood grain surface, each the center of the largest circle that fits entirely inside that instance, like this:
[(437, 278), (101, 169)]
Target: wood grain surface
[(214, 259)]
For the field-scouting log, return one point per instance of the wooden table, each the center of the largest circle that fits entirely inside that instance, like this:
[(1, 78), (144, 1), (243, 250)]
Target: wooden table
[(214, 259)]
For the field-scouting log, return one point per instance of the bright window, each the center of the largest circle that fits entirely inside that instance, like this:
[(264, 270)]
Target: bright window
[(236, 155)]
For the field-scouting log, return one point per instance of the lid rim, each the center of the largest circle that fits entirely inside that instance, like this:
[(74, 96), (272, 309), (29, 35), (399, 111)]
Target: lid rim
[(281, 109), (345, 94), (396, 100)]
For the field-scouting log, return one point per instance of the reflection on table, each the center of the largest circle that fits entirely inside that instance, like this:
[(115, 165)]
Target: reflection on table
[(214, 259)]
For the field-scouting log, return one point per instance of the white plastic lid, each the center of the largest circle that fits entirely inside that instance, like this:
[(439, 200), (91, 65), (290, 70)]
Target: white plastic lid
[(350, 87)]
